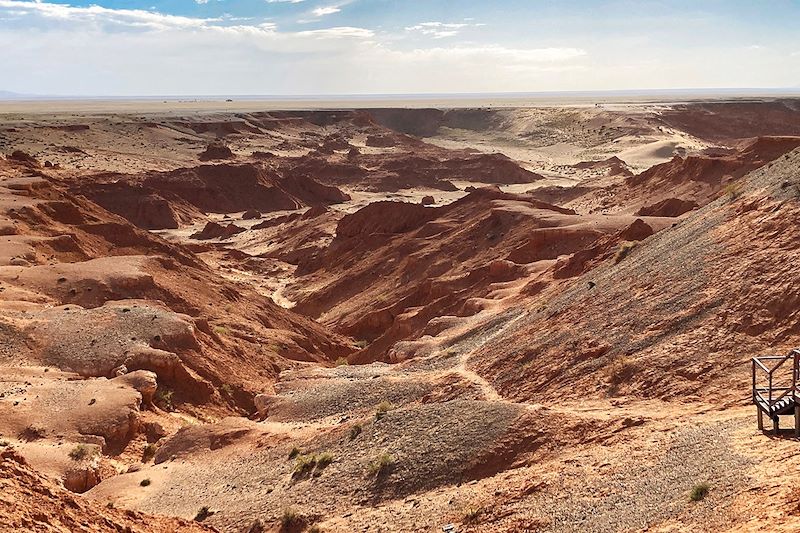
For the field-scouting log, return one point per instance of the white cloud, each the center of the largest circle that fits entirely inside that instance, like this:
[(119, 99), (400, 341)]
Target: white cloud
[(440, 30), (133, 18), (322, 11), (62, 49), (339, 31), (97, 51)]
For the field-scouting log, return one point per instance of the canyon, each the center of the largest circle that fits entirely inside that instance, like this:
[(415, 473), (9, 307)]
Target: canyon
[(397, 319)]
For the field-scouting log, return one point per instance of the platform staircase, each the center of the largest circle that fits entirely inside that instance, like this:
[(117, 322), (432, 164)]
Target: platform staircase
[(775, 388)]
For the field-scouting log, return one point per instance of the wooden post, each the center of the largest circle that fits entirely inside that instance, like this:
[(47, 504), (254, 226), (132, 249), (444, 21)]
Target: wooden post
[(776, 425), (760, 418), (797, 421)]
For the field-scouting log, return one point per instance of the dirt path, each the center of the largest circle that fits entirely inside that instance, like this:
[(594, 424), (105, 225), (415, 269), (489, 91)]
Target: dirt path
[(488, 390)]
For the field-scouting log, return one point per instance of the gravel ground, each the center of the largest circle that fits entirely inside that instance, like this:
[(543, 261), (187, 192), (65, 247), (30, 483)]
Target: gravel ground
[(314, 399), (638, 496)]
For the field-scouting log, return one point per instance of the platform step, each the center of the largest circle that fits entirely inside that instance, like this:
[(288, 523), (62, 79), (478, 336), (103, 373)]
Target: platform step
[(784, 406)]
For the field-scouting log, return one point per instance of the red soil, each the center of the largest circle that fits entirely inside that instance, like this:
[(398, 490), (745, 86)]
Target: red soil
[(393, 266), (729, 122), (678, 186), (216, 151), (159, 200), (88, 257), (32, 502), (614, 166), (212, 230)]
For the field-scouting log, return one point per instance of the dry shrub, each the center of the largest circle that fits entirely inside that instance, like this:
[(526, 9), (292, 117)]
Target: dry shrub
[(623, 251), (620, 370)]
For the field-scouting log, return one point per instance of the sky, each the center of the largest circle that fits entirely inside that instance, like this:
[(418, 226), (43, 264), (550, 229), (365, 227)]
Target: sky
[(362, 47)]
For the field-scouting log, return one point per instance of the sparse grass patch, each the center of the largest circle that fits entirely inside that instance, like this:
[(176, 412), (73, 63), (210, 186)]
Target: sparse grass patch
[(623, 251), (202, 513), (163, 399), (383, 408), (699, 491), (81, 452), (381, 464), (294, 452), (145, 482), (342, 361), (149, 452), (220, 330), (361, 344), (226, 390), (355, 431)]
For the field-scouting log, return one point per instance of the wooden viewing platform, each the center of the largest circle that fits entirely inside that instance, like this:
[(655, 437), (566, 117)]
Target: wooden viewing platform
[(775, 388)]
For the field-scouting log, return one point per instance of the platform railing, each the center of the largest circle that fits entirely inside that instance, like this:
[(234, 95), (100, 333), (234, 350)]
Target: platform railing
[(769, 367)]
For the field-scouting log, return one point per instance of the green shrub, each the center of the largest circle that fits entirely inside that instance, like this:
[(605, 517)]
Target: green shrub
[(202, 513), (381, 464), (383, 408), (290, 518), (304, 464), (81, 452), (149, 452), (323, 460), (312, 463), (699, 492), (164, 399), (471, 514)]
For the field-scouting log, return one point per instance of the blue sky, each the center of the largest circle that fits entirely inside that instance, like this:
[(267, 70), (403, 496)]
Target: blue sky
[(302, 47)]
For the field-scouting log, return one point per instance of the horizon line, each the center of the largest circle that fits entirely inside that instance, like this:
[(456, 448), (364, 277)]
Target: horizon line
[(740, 91)]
